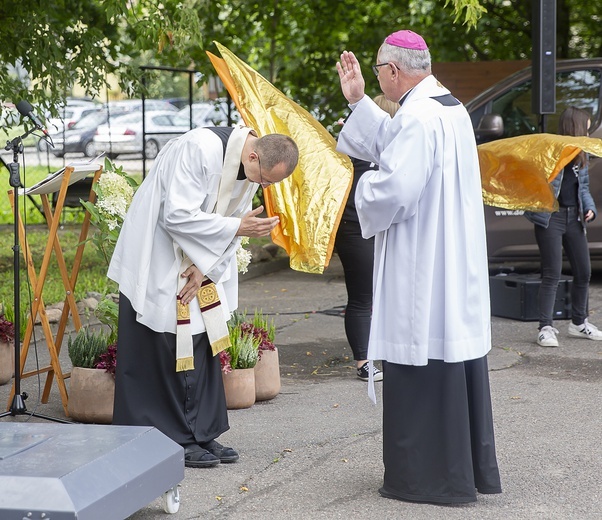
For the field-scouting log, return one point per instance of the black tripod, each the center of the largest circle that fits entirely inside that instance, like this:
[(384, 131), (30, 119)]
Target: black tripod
[(17, 406)]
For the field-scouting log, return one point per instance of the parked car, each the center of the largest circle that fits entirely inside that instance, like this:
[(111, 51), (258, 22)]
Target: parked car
[(504, 110), (210, 113), (80, 137), (68, 116), (135, 105), (124, 133)]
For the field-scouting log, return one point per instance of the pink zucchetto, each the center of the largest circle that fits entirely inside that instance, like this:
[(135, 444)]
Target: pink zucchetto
[(407, 40)]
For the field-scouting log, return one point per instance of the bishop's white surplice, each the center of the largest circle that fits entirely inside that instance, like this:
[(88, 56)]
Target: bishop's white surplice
[(423, 205)]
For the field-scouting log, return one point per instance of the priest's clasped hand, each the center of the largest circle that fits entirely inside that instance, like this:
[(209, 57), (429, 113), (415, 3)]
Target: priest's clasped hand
[(253, 226), (195, 277)]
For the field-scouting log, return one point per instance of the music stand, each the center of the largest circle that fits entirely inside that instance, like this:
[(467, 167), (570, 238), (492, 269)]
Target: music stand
[(63, 178)]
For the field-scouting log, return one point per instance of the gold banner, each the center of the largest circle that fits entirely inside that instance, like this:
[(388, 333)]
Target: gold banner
[(310, 202), (516, 172)]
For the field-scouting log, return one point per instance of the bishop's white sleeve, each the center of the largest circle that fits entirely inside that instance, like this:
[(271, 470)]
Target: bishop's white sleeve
[(392, 193), (363, 133)]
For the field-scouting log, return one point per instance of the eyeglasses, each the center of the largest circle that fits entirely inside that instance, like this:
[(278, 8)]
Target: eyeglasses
[(261, 181), (375, 67)]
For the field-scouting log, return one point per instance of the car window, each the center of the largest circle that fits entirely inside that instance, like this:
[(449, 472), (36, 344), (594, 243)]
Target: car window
[(162, 120), (515, 108), (91, 120), (580, 88), (136, 117), (179, 121), (87, 112)]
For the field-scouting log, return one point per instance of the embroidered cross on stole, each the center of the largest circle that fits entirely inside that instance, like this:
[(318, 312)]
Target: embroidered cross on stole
[(207, 295)]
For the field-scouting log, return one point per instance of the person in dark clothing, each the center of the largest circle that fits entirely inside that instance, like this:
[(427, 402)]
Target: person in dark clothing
[(175, 263), (357, 257), (566, 228)]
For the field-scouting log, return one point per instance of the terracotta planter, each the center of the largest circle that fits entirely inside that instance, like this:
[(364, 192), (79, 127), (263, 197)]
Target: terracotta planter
[(7, 362), (267, 376), (91, 394), (239, 386)]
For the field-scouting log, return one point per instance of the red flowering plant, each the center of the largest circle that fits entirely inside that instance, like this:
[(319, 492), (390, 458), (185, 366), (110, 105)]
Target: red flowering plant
[(262, 330), (7, 330), (108, 360)]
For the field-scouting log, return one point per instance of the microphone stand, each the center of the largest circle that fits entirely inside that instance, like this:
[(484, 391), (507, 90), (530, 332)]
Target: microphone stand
[(17, 406)]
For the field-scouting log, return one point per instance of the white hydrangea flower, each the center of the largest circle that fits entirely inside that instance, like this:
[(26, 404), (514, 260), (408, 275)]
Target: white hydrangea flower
[(115, 196), (243, 256)]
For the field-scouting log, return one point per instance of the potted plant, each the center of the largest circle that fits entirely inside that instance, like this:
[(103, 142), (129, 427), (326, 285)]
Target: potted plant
[(93, 355), (238, 362), (267, 369), (7, 349)]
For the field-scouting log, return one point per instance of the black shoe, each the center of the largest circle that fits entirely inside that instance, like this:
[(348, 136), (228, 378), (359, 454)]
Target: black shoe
[(199, 458), (363, 373), (223, 453)]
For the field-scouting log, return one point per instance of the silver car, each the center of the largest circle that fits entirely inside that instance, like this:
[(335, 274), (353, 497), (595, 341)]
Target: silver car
[(123, 134)]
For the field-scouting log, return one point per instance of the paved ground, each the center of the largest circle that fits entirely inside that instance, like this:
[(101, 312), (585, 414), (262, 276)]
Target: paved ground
[(314, 452)]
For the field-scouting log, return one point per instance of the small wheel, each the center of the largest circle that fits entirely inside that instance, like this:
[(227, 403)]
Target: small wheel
[(171, 500), (89, 149)]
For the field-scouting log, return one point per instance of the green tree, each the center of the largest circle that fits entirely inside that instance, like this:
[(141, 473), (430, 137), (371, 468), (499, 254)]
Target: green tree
[(293, 44), (48, 47)]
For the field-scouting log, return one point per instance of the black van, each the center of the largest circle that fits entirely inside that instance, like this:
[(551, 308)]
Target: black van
[(504, 110)]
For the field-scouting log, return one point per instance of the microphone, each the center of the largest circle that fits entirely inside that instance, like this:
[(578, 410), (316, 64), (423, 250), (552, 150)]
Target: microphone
[(26, 110)]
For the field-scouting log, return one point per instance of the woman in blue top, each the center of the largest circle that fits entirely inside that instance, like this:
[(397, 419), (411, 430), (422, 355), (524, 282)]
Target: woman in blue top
[(567, 228)]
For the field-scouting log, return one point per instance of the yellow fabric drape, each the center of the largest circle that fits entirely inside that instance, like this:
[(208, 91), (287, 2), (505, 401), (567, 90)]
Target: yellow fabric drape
[(516, 172), (310, 202)]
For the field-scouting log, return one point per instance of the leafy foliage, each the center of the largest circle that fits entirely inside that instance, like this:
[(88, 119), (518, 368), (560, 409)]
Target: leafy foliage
[(293, 44), (48, 47), (92, 39), (9, 316), (87, 347), (107, 313), (7, 330), (108, 360), (248, 339)]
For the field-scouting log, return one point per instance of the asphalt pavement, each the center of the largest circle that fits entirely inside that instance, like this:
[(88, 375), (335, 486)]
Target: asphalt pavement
[(314, 451)]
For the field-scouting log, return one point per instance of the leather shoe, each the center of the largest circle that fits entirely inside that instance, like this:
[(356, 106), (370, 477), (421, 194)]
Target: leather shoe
[(199, 458), (223, 453)]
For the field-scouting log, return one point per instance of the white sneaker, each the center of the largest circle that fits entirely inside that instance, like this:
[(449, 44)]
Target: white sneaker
[(547, 337), (586, 331)]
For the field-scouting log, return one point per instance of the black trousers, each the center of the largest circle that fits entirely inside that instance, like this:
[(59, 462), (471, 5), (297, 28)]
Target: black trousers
[(438, 439), (189, 407), (357, 257), (564, 230)]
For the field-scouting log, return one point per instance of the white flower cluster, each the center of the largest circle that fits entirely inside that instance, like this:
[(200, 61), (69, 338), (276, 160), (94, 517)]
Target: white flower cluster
[(115, 196), (243, 256)]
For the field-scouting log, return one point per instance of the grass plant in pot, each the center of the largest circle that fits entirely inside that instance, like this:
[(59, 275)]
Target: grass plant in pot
[(267, 369), (93, 356), (238, 362)]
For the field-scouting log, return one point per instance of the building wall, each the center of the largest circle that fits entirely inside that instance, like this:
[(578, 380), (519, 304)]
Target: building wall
[(467, 79)]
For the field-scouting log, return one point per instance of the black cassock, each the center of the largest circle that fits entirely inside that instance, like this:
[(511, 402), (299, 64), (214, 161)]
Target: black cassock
[(189, 407), (438, 439)]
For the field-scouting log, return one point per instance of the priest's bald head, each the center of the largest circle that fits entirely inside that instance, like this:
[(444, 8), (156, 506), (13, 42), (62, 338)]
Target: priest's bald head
[(269, 159), (402, 62)]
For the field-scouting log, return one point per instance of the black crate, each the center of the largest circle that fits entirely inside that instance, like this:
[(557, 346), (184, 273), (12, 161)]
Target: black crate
[(515, 296)]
